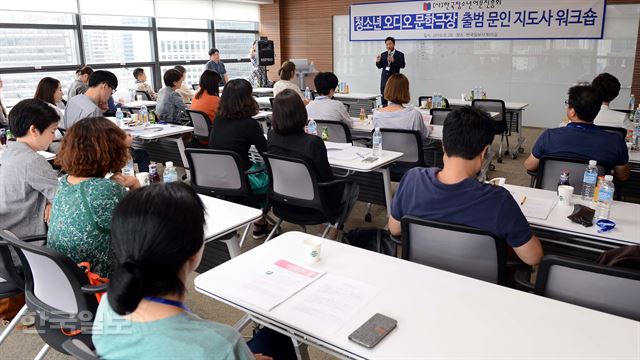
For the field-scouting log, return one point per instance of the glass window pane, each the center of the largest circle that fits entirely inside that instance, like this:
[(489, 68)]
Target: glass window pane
[(21, 86), (116, 20), (233, 45), (193, 73), (126, 81), (37, 47), (26, 17), (182, 23), (236, 25), (239, 70), (116, 46), (174, 46)]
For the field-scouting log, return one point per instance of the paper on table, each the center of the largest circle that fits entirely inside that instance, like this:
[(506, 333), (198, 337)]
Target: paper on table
[(535, 207), (275, 283), (348, 154), (435, 131), (336, 146), (331, 301)]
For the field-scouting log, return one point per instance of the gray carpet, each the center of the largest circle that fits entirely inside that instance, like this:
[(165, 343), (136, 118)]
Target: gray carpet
[(25, 345)]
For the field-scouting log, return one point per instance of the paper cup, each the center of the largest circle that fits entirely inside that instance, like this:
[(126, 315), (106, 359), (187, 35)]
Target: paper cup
[(139, 97), (565, 193), (312, 248), (143, 178), (424, 104)]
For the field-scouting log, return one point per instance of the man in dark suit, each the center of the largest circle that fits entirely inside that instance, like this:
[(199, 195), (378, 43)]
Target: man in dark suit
[(390, 61)]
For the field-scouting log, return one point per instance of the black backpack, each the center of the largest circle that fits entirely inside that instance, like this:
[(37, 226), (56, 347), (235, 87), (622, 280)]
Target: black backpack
[(373, 239)]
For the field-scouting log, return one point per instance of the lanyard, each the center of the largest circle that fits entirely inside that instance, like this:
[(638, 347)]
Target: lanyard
[(590, 127), (321, 97), (164, 301)]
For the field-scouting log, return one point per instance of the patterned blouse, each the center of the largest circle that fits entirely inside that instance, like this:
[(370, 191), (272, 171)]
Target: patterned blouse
[(80, 223)]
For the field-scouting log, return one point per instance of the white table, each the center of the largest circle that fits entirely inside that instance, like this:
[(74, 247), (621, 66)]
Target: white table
[(161, 140), (138, 104), (440, 315), (263, 91), (264, 102), (263, 115), (364, 128), (224, 217), (625, 215), (634, 157), (356, 96), (158, 131)]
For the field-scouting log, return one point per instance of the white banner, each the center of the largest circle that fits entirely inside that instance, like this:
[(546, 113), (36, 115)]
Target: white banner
[(477, 19)]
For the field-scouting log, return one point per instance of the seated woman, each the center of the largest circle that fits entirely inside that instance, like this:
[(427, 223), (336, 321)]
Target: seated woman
[(143, 315), (396, 115), (286, 73), (80, 221), (170, 104), (207, 99), (49, 90), (288, 138), (236, 130)]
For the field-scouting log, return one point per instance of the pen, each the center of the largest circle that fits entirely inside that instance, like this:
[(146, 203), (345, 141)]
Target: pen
[(361, 156), (524, 198)]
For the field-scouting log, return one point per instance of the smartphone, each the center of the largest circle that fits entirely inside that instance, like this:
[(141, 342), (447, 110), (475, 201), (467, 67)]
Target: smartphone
[(373, 330), (370, 159)]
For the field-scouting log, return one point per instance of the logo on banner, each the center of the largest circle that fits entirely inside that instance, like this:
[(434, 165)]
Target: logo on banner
[(426, 6)]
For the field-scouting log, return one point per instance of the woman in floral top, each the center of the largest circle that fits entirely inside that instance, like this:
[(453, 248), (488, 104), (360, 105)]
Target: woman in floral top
[(80, 221)]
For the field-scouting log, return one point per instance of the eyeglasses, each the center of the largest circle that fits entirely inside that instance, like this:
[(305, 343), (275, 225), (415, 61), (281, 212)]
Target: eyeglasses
[(566, 102)]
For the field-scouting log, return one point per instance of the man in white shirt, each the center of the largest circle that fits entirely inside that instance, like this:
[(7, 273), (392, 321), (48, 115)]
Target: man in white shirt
[(324, 107), (609, 86)]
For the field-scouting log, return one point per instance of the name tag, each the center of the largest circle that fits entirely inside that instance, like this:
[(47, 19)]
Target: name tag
[(387, 68)]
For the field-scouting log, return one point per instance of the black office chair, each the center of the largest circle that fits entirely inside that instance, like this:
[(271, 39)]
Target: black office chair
[(500, 123), (616, 130), (58, 292), (13, 284), (459, 249), (144, 94), (271, 102), (425, 98), (409, 143), (550, 167), (612, 290), (295, 195), (433, 154), (79, 350), (338, 131), (201, 124), (439, 115)]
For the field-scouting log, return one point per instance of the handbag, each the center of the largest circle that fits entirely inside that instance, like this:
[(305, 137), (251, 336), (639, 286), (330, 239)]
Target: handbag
[(373, 239)]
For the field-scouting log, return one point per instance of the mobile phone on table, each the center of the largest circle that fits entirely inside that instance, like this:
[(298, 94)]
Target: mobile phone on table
[(373, 330)]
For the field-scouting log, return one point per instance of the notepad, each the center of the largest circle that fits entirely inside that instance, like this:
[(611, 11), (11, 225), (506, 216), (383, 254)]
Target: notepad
[(535, 207), (336, 146), (349, 154)]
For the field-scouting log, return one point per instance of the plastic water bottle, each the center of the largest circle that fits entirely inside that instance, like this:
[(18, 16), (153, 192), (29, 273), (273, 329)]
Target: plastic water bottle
[(307, 93), (632, 102), (605, 198), (143, 115), (636, 135), (636, 116), (127, 170), (170, 174), (377, 143), (589, 180), (132, 95), (312, 127), (119, 117), (434, 100), (363, 115), (153, 173)]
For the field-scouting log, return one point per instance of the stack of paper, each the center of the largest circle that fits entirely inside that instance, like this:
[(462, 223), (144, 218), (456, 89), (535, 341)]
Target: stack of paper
[(535, 207), (336, 145), (349, 153)]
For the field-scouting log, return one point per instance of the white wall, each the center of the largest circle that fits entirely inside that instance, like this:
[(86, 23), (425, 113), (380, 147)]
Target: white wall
[(538, 72)]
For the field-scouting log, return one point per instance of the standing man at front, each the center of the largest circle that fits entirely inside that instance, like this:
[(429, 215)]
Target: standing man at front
[(216, 65), (390, 61)]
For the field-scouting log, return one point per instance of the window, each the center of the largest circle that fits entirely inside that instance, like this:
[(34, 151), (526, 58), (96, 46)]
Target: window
[(239, 70), (193, 73), (182, 23), (177, 46), (19, 86), (117, 46), (234, 45), (138, 21), (37, 47), (126, 80), (236, 25), (22, 17)]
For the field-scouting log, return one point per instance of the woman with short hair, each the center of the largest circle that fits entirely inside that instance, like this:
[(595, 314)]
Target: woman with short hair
[(287, 72), (397, 115)]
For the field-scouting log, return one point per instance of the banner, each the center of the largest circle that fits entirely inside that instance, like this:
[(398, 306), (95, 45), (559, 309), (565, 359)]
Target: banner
[(477, 20)]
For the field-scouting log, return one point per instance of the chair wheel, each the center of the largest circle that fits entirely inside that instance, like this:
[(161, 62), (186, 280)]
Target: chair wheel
[(514, 156), (367, 217), (520, 150), (492, 167), (499, 160), (506, 152)]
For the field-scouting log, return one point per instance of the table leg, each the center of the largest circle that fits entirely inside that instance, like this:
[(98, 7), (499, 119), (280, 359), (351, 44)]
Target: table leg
[(302, 349), (233, 245), (386, 178), (183, 157)]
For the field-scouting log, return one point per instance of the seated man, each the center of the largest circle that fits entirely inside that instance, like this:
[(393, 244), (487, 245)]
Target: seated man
[(141, 83), (324, 107), (102, 84), (609, 87), (453, 195), (581, 138)]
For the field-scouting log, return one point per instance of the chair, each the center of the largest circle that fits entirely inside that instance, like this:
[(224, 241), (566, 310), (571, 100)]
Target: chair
[(456, 248), (144, 95), (439, 115), (612, 290), (11, 284), (501, 128), (79, 350), (616, 130), (271, 102), (58, 292), (338, 131), (550, 168), (408, 142), (295, 194), (201, 124), (444, 100)]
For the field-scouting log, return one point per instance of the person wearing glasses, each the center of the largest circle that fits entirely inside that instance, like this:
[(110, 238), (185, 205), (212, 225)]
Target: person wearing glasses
[(102, 84)]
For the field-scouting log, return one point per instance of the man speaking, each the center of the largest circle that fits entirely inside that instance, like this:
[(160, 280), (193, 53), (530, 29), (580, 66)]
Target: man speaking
[(390, 61)]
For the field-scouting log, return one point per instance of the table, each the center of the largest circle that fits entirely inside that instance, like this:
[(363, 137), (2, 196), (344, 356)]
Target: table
[(514, 111), (162, 141), (576, 238), (440, 315), (262, 91), (634, 160), (138, 104), (224, 217), (264, 102)]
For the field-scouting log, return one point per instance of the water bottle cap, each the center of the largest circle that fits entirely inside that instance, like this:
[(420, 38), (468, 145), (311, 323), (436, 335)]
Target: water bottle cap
[(608, 178), (168, 164), (593, 163), (377, 129)]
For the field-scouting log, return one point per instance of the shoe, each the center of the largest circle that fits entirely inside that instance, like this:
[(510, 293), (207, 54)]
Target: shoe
[(261, 230)]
